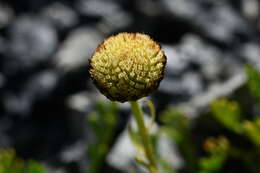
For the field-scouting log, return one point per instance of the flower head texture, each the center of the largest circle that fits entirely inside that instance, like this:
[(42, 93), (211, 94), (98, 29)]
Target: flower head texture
[(127, 66)]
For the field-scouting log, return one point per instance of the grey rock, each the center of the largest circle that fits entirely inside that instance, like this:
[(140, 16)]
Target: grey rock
[(193, 49), (6, 15), (251, 53), (74, 153), (168, 151), (192, 83), (2, 80), (123, 152), (83, 101), (38, 87), (172, 86), (61, 15), (188, 85), (176, 62), (5, 140), (32, 40), (219, 21), (17, 105), (222, 24), (112, 15), (77, 49), (198, 103), (186, 9), (41, 85), (99, 8), (149, 7), (5, 125), (3, 45), (250, 9)]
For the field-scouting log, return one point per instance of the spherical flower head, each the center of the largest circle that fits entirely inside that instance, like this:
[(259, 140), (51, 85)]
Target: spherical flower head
[(127, 66)]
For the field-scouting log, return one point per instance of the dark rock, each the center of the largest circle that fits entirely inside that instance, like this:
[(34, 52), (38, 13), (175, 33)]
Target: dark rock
[(39, 87), (2, 80)]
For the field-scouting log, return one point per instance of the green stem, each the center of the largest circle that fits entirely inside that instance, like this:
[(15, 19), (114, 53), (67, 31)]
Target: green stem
[(144, 136)]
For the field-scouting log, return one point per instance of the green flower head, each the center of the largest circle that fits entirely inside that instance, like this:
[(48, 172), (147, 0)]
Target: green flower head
[(127, 66)]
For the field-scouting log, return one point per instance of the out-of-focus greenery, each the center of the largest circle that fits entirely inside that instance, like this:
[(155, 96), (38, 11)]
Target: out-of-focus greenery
[(10, 163), (218, 149), (253, 82), (238, 143), (228, 139), (228, 114), (176, 126), (103, 123), (234, 146)]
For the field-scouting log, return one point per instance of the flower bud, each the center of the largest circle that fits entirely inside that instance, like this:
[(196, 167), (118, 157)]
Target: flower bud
[(127, 66)]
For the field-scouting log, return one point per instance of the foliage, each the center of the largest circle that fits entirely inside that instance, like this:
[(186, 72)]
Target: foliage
[(235, 137), (10, 163), (239, 142), (253, 82), (103, 123), (227, 113), (176, 126), (218, 149)]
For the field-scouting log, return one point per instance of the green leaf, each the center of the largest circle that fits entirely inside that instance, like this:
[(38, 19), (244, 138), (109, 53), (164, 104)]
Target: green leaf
[(228, 114), (211, 164), (103, 124), (176, 126), (253, 82), (218, 149), (9, 163), (34, 167), (252, 130)]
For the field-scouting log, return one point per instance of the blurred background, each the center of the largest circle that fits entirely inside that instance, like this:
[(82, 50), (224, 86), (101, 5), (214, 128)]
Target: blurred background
[(54, 119)]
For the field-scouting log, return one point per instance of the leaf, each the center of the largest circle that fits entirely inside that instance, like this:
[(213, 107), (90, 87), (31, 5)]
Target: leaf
[(218, 149), (252, 130), (211, 164), (253, 82), (9, 163), (34, 167), (228, 114)]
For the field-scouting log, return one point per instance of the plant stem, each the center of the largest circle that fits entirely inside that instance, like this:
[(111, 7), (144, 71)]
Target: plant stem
[(138, 115)]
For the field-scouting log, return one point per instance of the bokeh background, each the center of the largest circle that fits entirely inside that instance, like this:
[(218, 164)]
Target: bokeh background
[(48, 104)]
